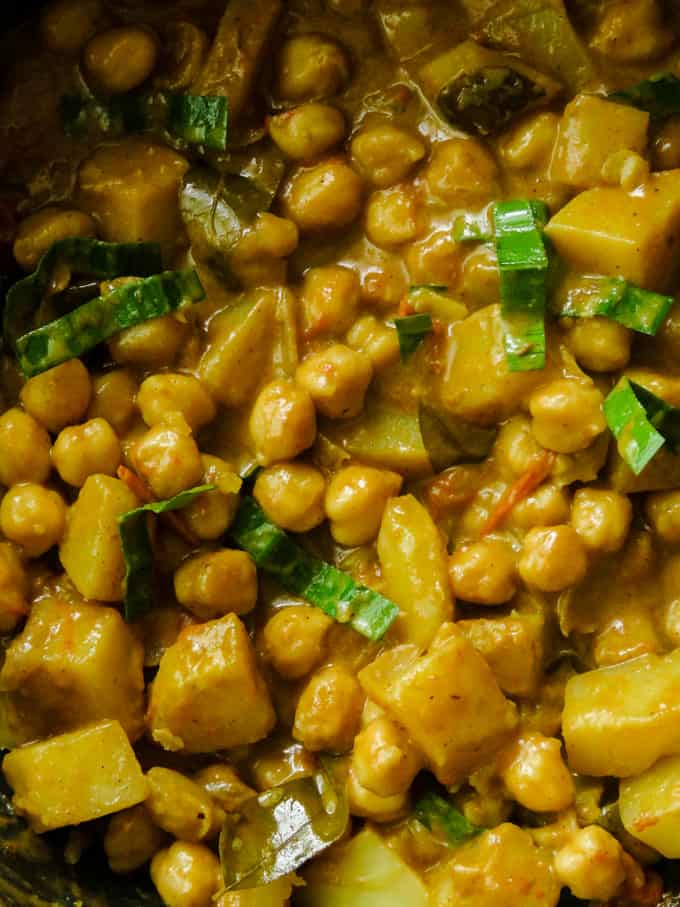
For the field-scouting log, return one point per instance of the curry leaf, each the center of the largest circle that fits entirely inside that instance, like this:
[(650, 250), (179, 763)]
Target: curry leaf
[(449, 440)]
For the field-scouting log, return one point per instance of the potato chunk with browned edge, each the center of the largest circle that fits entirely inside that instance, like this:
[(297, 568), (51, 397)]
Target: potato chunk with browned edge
[(208, 693), (447, 700), (71, 664)]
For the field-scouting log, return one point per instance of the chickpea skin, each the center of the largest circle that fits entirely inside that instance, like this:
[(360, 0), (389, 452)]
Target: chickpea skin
[(325, 196), (131, 839), (484, 572), (308, 130), (38, 232), (120, 59), (167, 457), (553, 558), (59, 396), (355, 501), (24, 449), (292, 495), (186, 875), (336, 379), (282, 422), (295, 640), (535, 774), (591, 864), (113, 399), (384, 760), (217, 583), (160, 395), (67, 25), (385, 154), (33, 516), (567, 415), (83, 450), (311, 66), (329, 711), (601, 517)]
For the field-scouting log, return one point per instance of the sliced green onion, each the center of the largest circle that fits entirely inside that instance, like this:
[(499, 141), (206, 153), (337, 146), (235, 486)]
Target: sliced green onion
[(472, 228), (138, 552), (523, 264), (321, 584), (434, 300), (615, 298), (199, 119), (440, 816), (411, 331), (641, 422), (659, 95), (90, 324)]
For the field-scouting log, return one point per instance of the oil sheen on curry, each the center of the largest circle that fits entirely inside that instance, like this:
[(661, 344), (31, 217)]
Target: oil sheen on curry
[(340, 447)]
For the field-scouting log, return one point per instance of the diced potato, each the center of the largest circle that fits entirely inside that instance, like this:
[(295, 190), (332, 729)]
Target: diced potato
[(619, 720), (513, 647), (97, 568), (364, 872), (413, 560), (447, 699), (636, 236), (76, 777), (208, 694), (590, 130), (71, 664), (650, 806), (131, 190)]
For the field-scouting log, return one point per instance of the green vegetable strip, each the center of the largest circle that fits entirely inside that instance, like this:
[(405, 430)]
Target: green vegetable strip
[(472, 228), (659, 95), (641, 422), (321, 584), (138, 552), (82, 329), (199, 119), (83, 256), (411, 331), (615, 298), (437, 814), (523, 264)]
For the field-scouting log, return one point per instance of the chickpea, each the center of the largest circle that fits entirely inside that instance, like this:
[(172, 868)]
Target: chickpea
[(274, 894), (120, 59), (131, 839), (186, 875), (546, 506), (435, 259), (167, 457), (269, 237), (59, 396), (363, 802), (224, 786), (530, 143), (461, 172), (591, 864), (535, 775), (479, 279), (393, 216), (355, 500), (329, 711), (212, 513), (385, 286), (567, 415), (178, 805), (113, 399), (671, 596), (33, 516), (599, 344), (295, 640), (162, 394), (552, 558), (83, 450), (153, 344), (666, 147), (182, 53), (336, 379), (217, 583), (602, 518), (516, 446), (663, 512), (292, 495), (311, 66), (385, 154), (282, 422), (632, 31), (308, 130), (67, 25), (13, 588), (329, 300), (38, 232), (376, 339), (384, 760), (484, 572), (326, 195), (24, 449)]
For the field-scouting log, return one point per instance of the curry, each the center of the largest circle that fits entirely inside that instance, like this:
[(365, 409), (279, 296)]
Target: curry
[(340, 447)]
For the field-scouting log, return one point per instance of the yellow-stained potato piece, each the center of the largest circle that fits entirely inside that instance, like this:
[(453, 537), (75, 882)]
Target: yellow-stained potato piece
[(649, 805), (76, 777)]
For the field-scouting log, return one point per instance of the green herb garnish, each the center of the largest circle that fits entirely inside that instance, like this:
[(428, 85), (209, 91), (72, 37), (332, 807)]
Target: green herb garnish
[(411, 331), (659, 95), (641, 422), (440, 816), (615, 298)]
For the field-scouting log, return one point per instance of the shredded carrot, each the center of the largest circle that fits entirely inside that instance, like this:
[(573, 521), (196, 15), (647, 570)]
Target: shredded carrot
[(141, 490), (405, 307), (519, 490)]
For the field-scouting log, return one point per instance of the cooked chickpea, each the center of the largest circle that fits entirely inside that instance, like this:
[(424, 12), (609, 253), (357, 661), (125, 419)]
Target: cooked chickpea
[(210, 514), (59, 396), (120, 59), (535, 774), (666, 147), (221, 781), (461, 172), (435, 259), (282, 422), (186, 875), (530, 143), (182, 53), (355, 500), (131, 839), (364, 803), (295, 640), (13, 588), (178, 805), (602, 517), (113, 399), (479, 279), (167, 457), (38, 232), (308, 130), (376, 339), (553, 558), (385, 285), (274, 894), (632, 31), (591, 864), (24, 449), (269, 237), (152, 344), (384, 760), (567, 415), (547, 506), (67, 25), (325, 196), (336, 379), (671, 596), (83, 450), (663, 512), (217, 583), (516, 446), (33, 516), (385, 154), (600, 344), (292, 495), (329, 711), (162, 394), (311, 66), (329, 300), (393, 216), (484, 572)]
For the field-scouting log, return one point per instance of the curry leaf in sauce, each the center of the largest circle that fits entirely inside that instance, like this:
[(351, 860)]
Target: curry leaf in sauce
[(449, 440), (443, 818), (659, 95)]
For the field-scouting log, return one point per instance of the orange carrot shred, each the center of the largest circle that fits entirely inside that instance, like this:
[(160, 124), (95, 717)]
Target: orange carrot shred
[(527, 483), (405, 307)]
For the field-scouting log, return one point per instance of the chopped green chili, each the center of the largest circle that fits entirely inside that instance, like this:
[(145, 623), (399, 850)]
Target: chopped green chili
[(641, 422), (199, 119), (411, 331), (615, 298), (472, 228)]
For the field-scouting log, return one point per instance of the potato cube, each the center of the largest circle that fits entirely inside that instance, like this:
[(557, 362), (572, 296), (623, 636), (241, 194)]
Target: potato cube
[(650, 806), (447, 699), (90, 550), (619, 720), (208, 694), (513, 647), (591, 129), (636, 236), (72, 664), (76, 777)]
